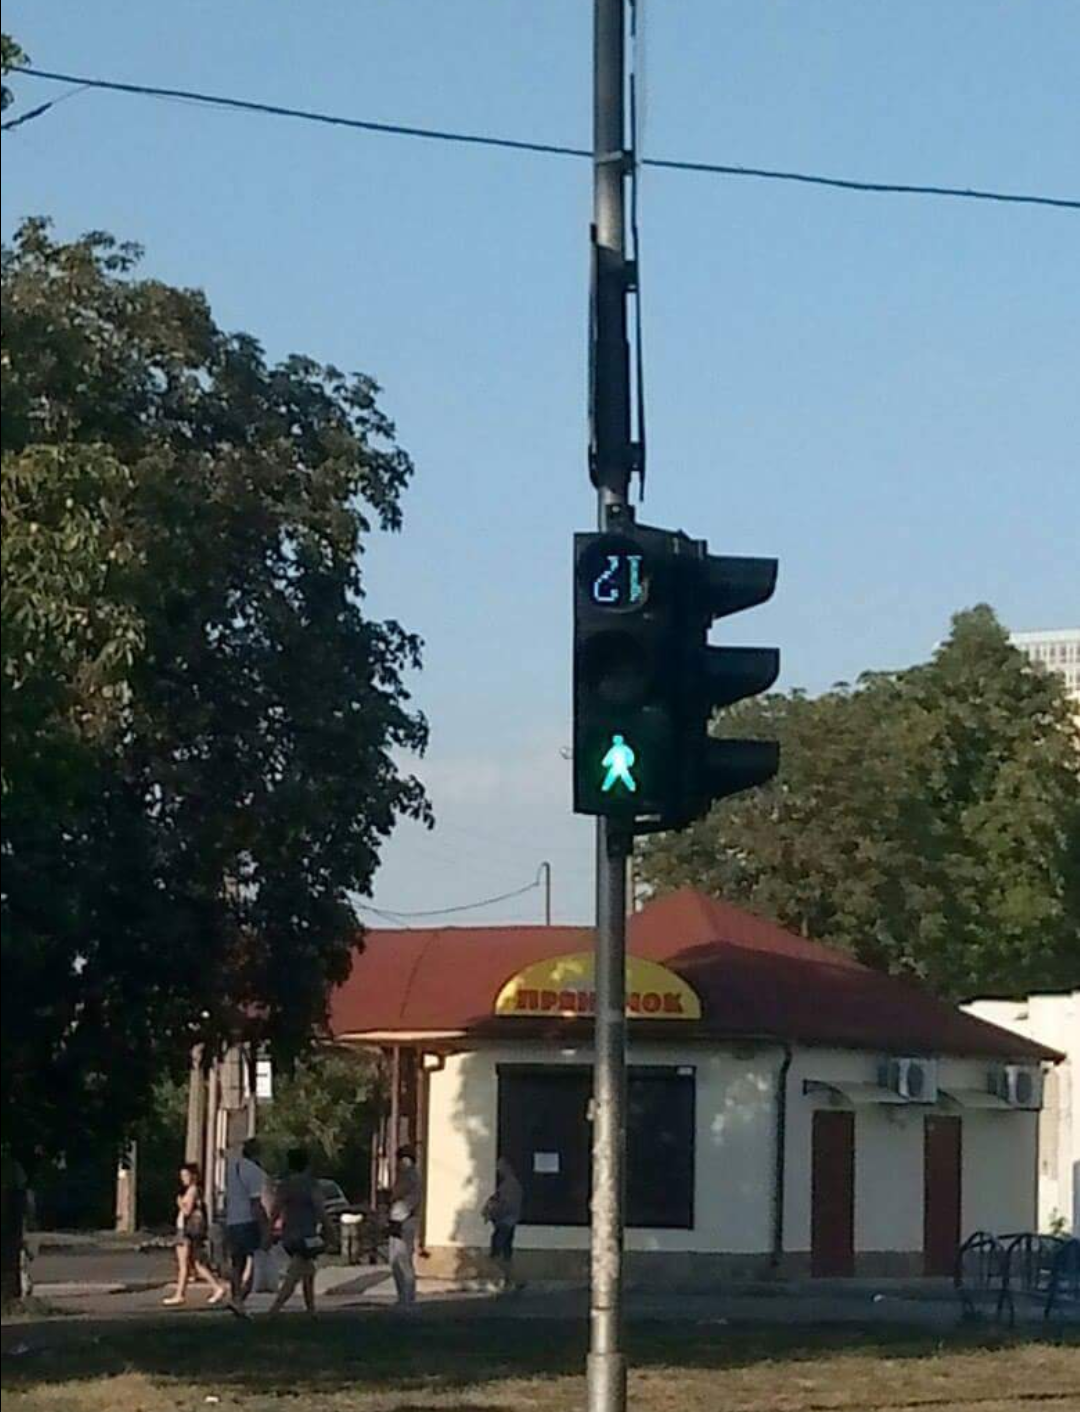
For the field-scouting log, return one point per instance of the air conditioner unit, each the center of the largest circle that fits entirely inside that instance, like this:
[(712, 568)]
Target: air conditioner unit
[(913, 1079), (1020, 1085)]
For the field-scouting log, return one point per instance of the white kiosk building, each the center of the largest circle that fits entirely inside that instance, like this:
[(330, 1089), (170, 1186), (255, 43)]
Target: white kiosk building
[(790, 1110)]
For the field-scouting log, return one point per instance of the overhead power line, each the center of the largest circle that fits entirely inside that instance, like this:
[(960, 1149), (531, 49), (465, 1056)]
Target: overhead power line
[(547, 148), (393, 914), (26, 117)]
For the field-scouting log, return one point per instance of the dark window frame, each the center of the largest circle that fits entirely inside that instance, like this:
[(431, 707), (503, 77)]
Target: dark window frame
[(684, 1074)]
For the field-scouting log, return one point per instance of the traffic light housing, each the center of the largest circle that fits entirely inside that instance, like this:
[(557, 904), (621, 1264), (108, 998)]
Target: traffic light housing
[(646, 681), (715, 677), (625, 660)]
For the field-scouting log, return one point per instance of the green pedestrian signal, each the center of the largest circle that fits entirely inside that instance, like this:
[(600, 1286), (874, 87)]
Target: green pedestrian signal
[(619, 762), (647, 681), (625, 648)]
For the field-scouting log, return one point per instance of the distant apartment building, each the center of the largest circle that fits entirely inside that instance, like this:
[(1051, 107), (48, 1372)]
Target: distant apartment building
[(1058, 651)]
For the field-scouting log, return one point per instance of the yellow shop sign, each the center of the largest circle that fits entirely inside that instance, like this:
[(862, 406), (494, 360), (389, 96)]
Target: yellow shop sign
[(565, 986)]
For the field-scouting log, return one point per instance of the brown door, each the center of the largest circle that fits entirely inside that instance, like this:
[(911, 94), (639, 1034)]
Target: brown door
[(832, 1194), (942, 1150)]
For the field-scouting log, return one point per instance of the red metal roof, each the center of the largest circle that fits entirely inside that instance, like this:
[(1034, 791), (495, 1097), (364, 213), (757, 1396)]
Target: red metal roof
[(753, 979)]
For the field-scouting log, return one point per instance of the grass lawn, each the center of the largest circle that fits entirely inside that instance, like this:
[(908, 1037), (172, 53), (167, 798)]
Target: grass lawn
[(381, 1364)]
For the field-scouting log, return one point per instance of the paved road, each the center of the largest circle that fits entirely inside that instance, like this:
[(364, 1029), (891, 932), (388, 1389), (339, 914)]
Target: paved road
[(96, 1266)]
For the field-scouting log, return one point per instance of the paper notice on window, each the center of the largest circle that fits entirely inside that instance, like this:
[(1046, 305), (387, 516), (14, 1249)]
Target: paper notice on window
[(546, 1163)]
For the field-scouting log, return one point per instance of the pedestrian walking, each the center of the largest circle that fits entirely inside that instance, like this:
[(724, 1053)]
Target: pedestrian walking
[(404, 1208), (192, 1230), (503, 1210), (297, 1204), (246, 1219)]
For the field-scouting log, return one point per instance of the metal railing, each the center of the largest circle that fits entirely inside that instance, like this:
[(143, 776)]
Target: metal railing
[(997, 1273)]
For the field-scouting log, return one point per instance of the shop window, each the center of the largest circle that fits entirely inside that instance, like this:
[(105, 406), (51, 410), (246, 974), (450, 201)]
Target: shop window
[(544, 1131)]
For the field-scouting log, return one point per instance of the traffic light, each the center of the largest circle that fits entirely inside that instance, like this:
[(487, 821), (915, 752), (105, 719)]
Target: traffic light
[(625, 663), (714, 677), (646, 681)]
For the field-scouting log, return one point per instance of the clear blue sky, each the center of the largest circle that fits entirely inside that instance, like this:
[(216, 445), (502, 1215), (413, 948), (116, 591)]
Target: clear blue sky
[(881, 391)]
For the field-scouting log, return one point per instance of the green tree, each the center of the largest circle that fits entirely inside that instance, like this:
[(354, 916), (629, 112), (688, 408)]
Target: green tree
[(161, 1135), (200, 721), (11, 57), (926, 821), (331, 1104)]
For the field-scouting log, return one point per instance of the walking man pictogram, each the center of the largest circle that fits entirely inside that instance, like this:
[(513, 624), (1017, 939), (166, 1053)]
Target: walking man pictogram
[(618, 762)]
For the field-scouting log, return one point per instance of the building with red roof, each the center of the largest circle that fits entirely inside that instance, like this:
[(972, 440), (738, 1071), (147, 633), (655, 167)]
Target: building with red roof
[(789, 1109)]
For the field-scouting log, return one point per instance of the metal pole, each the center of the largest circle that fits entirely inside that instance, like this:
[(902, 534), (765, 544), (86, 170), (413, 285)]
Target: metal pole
[(210, 1150), (545, 873), (395, 1110), (612, 459), (607, 1361)]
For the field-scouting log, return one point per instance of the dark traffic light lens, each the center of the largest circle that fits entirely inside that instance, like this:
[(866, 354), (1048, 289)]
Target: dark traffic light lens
[(614, 573), (615, 668)]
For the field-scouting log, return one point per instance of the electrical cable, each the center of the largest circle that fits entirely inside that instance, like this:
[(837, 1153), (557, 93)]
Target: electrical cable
[(26, 117), (549, 148), (42, 108), (394, 914)]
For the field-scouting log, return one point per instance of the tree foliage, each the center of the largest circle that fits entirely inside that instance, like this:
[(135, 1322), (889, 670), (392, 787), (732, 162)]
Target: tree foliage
[(200, 721), (11, 57), (927, 821), (329, 1104)]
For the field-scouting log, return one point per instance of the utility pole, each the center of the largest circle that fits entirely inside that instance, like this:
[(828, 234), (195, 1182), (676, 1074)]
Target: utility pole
[(646, 680), (612, 456), (544, 872)]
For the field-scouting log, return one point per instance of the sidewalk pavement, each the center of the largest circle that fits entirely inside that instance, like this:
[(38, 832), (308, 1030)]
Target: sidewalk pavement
[(360, 1289), (105, 1276)]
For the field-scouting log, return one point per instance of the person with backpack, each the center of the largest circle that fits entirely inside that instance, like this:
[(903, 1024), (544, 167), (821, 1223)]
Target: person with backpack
[(192, 1232)]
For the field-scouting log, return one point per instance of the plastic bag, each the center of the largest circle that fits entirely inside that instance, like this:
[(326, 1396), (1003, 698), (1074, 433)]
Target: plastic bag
[(268, 1268)]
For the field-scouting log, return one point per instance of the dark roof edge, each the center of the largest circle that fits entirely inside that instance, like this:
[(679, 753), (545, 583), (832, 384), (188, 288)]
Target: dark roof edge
[(699, 1032)]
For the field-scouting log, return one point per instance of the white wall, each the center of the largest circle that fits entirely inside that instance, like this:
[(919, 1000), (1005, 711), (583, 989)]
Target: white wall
[(1000, 1187), (888, 1157), (462, 1108), (1053, 1020), (734, 1149), (998, 1157)]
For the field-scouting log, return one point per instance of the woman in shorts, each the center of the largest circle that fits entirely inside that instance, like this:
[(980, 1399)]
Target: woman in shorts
[(192, 1230)]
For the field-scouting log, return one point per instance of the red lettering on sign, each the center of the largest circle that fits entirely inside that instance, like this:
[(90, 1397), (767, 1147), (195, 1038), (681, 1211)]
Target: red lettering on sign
[(529, 1000)]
